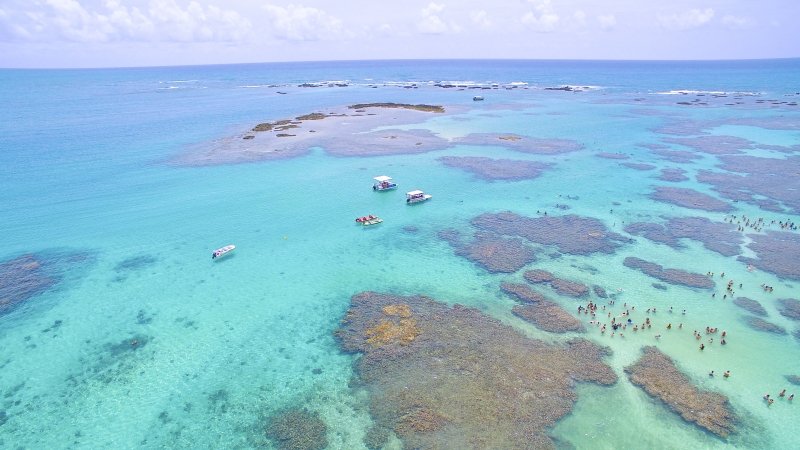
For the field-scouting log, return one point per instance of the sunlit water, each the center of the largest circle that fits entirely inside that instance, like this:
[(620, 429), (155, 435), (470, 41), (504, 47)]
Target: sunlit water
[(221, 346)]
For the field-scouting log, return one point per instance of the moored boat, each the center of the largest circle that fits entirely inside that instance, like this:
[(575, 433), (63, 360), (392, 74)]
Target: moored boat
[(417, 196), (369, 220), (222, 251), (383, 183)]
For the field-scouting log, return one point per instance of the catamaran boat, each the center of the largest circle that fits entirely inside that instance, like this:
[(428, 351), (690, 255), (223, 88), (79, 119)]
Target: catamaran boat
[(222, 251), (416, 197), (383, 183)]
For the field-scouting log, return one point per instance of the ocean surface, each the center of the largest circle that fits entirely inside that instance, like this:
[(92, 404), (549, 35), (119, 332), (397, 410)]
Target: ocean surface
[(128, 335)]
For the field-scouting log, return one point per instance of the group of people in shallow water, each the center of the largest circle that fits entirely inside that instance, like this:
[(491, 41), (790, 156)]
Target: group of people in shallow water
[(757, 224), (782, 394)]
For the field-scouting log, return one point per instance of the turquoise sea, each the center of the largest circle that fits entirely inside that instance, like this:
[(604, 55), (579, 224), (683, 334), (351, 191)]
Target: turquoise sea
[(139, 340)]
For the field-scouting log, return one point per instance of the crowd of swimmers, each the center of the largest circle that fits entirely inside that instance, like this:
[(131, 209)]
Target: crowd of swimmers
[(758, 224), (782, 394)]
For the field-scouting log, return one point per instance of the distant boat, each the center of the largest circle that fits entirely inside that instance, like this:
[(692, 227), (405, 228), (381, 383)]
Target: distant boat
[(383, 183), (369, 220), (477, 98), (222, 251), (416, 197)]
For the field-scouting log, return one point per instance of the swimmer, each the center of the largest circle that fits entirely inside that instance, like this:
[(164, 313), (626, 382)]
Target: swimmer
[(791, 397), (702, 347), (727, 374), (711, 374), (782, 394), (766, 396)]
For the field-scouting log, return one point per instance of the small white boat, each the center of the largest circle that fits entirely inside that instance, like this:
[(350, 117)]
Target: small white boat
[(416, 197), (477, 98), (222, 251), (383, 183)]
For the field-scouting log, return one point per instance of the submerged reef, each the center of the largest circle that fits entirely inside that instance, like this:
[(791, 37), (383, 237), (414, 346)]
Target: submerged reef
[(465, 380), (759, 324), (563, 287), (750, 306), (26, 276), (720, 237), (673, 174), (572, 234), (776, 253), (676, 156), (714, 144), (357, 130), (545, 314), (689, 198), (657, 374), (789, 308), (496, 169), (672, 276), (298, 429), (769, 183), (491, 251), (524, 144), (638, 166), (608, 155)]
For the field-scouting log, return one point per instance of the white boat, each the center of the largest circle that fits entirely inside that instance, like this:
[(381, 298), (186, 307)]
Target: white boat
[(477, 98), (222, 251), (416, 197), (383, 183)]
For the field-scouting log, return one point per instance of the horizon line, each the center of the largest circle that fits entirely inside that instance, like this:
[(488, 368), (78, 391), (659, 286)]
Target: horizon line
[(577, 60)]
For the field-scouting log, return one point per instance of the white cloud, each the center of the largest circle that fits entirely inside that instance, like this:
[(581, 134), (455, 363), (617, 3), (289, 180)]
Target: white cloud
[(432, 23), (542, 19), (688, 19), (481, 19), (607, 22), (303, 23), (735, 23), (163, 20), (579, 17)]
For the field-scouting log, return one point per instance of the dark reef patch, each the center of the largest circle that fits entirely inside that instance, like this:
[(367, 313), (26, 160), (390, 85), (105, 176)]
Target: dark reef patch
[(794, 379), (713, 144), (298, 429), (689, 198), (776, 253), (522, 292), (496, 169), (599, 292), (524, 144), (608, 155), (720, 237), (750, 306), (444, 377), (789, 308), (562, 286), (638, 166), (759, 324), (759, 181), (491, 251), (657, 374), (27, 276), (659, 286), (673, 174), (672, 276), (545, 314), (677, 156), (572, 234), (135, 263)]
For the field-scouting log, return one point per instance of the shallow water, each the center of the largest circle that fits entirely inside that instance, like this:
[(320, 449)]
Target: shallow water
[(146, 342)]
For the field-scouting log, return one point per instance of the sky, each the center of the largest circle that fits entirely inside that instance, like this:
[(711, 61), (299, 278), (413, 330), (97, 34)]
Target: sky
[(118, 33)]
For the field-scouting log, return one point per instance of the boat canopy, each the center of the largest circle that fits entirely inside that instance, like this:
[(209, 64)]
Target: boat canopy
[(413, 193), (382, 178)]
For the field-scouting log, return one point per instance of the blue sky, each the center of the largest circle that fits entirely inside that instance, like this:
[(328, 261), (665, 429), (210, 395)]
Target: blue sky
[(114, 33)]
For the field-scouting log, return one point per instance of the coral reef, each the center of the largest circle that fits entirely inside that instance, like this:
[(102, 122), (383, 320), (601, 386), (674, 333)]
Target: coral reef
[(572, 234), (608, 155), (689, 198), (467, 380), (720, 237), (541, 312), (677, 156), (790, 308), (672, 276), (714, 144), (563, 287), (490, 251), (638, 166), (760, 324), (776, 253), (298, 429), (524, 144), (26, 276), (496, 169), (673, 174), (750, 306), (657, 374)]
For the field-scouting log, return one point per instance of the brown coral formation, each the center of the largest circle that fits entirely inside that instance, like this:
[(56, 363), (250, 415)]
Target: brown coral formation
[(467, 380), (572, 234), (720, 237), (298, 429), (397, 327), (524, 144), (689, 198), (759, 324), (490, 251), (389, 105), (657, 374), (562, 286), (789, 308), (776, 253), (672, 276), (496, 169), (27, 276), (541, 312), (750, 306)]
